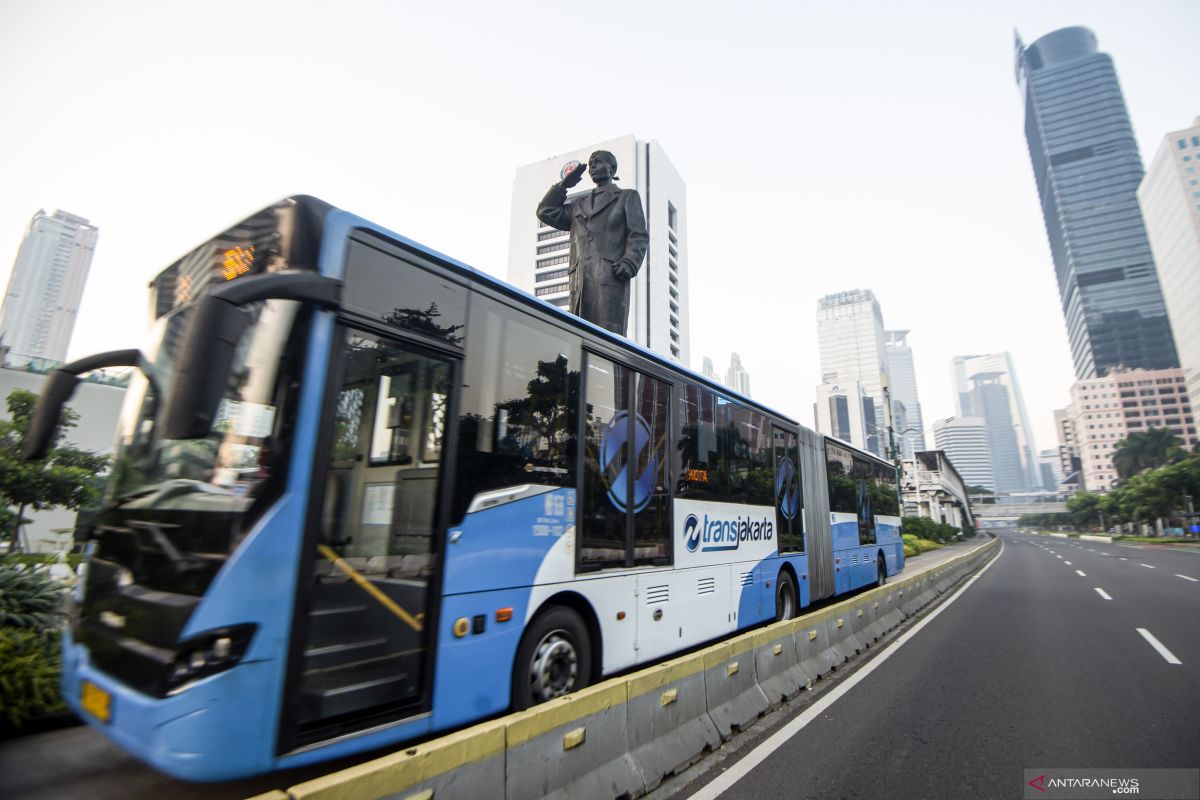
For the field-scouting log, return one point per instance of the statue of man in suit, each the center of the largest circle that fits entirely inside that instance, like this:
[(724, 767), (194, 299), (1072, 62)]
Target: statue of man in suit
[(608, 240)]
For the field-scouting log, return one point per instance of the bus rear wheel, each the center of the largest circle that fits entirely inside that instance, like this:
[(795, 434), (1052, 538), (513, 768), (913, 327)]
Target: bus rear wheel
[(785, 596), (554, 659)]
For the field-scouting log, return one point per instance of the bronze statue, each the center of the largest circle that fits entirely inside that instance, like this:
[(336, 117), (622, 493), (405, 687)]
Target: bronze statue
[(608, 240)]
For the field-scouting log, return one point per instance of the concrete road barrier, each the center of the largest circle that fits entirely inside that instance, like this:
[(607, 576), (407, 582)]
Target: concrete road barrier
[(669, 725), (454, 766), (574, 746), (776, 665), (1088, 537), (620, 738), (731, 687)]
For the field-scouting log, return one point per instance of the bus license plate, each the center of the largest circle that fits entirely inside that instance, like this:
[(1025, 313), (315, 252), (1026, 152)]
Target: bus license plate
[(96, 701)]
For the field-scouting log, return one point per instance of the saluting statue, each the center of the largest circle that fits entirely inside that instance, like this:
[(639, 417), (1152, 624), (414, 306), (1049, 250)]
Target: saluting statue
[(608, 240)]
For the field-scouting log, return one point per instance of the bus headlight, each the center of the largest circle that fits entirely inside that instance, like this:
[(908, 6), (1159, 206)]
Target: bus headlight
[(208, 653)]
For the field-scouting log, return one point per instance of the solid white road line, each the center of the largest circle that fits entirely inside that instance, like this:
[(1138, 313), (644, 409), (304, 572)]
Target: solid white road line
[(759, 754), (1081, 573), (1103, 593), (1148, 566), (1157, 645), (1186, 578)]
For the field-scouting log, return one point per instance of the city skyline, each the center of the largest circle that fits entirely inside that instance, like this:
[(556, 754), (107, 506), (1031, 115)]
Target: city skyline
[(761, 128)]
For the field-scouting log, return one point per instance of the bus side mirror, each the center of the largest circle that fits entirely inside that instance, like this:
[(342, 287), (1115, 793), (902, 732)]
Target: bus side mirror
[(58, 390), (218, 322)]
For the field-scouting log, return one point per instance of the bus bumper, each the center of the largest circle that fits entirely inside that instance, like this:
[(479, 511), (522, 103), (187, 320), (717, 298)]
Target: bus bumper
[(212, 732)]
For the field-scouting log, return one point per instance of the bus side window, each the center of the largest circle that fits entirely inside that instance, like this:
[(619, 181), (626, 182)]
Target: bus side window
[(865, 494), (840, 468), (700, 469), (789, 499), (520, 404)]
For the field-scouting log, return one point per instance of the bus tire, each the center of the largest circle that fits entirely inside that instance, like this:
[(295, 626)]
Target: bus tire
[(554, 658), (786, 598), (881, 572)]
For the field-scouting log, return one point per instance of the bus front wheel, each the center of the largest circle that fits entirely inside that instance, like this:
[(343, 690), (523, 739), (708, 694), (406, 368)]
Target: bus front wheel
[(554, 659)]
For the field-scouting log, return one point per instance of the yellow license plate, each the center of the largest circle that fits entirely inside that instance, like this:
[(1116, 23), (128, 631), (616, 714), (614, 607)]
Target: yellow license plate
[(96, 701)]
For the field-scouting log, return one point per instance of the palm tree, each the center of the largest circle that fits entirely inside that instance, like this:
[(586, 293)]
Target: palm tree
[(1139, 451)]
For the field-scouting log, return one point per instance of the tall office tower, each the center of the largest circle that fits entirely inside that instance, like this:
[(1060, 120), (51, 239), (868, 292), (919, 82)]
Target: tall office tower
[(736, 377), (850, 334), (1087, 168), (904, 391), (965, 440), (1000, 367), (538, 255), (1170, 201), (708, 371), (1106, 410), (45, 287), (988, 399)]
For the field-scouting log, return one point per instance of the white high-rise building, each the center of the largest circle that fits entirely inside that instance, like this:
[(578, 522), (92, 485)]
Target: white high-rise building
[(999, 369), (850, 334), (903, 377), (708, 371), (736, 377), (846, 412), (538, 255), (1170, 199), (45, 287), (965, 440)]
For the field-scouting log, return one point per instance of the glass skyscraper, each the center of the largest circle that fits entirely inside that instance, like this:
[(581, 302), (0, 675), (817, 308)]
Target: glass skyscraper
[(1087, 167)]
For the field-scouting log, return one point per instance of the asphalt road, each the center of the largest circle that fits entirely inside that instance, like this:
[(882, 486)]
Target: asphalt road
[(1040, 662), (82, 762)]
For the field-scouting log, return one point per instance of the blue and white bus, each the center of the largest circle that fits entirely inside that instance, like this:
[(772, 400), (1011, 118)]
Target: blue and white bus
[(363, 493)]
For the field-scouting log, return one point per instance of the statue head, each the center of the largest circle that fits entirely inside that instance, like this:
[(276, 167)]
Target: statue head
[(602, 167)]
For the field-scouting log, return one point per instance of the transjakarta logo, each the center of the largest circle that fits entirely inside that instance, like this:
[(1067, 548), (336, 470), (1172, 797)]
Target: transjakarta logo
[(716, 533)]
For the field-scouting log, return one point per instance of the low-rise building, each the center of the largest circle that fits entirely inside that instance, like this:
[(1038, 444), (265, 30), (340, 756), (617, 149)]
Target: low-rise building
[(931, 487)]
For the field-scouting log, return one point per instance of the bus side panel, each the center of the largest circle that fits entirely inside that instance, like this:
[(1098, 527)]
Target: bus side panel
[(474, 671), (887, 532), (844, 530)]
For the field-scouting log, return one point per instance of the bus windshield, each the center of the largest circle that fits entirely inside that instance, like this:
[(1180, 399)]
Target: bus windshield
[(164, 493)]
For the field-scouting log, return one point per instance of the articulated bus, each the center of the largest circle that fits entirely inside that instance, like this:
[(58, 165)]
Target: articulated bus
[(362, 493)]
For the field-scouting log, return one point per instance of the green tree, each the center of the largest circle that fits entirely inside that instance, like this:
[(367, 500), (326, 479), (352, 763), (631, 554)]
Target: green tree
[(1084, 508), (67, 477), (1140, 451)]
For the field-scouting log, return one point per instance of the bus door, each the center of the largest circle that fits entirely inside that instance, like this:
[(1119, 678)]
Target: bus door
[(362, 654)]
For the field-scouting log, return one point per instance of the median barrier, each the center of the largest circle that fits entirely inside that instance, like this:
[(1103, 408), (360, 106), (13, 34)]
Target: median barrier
[(1087, 537), (730, 685), (776, 664), (816, 655), (1059, 535), (572, 746), (620, 738), (466, 764), (669, 728)]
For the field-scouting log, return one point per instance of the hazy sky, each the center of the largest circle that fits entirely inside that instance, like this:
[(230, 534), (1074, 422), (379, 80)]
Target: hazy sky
[(825, 145)]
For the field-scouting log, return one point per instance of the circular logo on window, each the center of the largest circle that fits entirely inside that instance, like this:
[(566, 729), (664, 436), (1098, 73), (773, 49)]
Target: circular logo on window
[(615, 460), (567, 167), (787, 488), (691, 533)]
